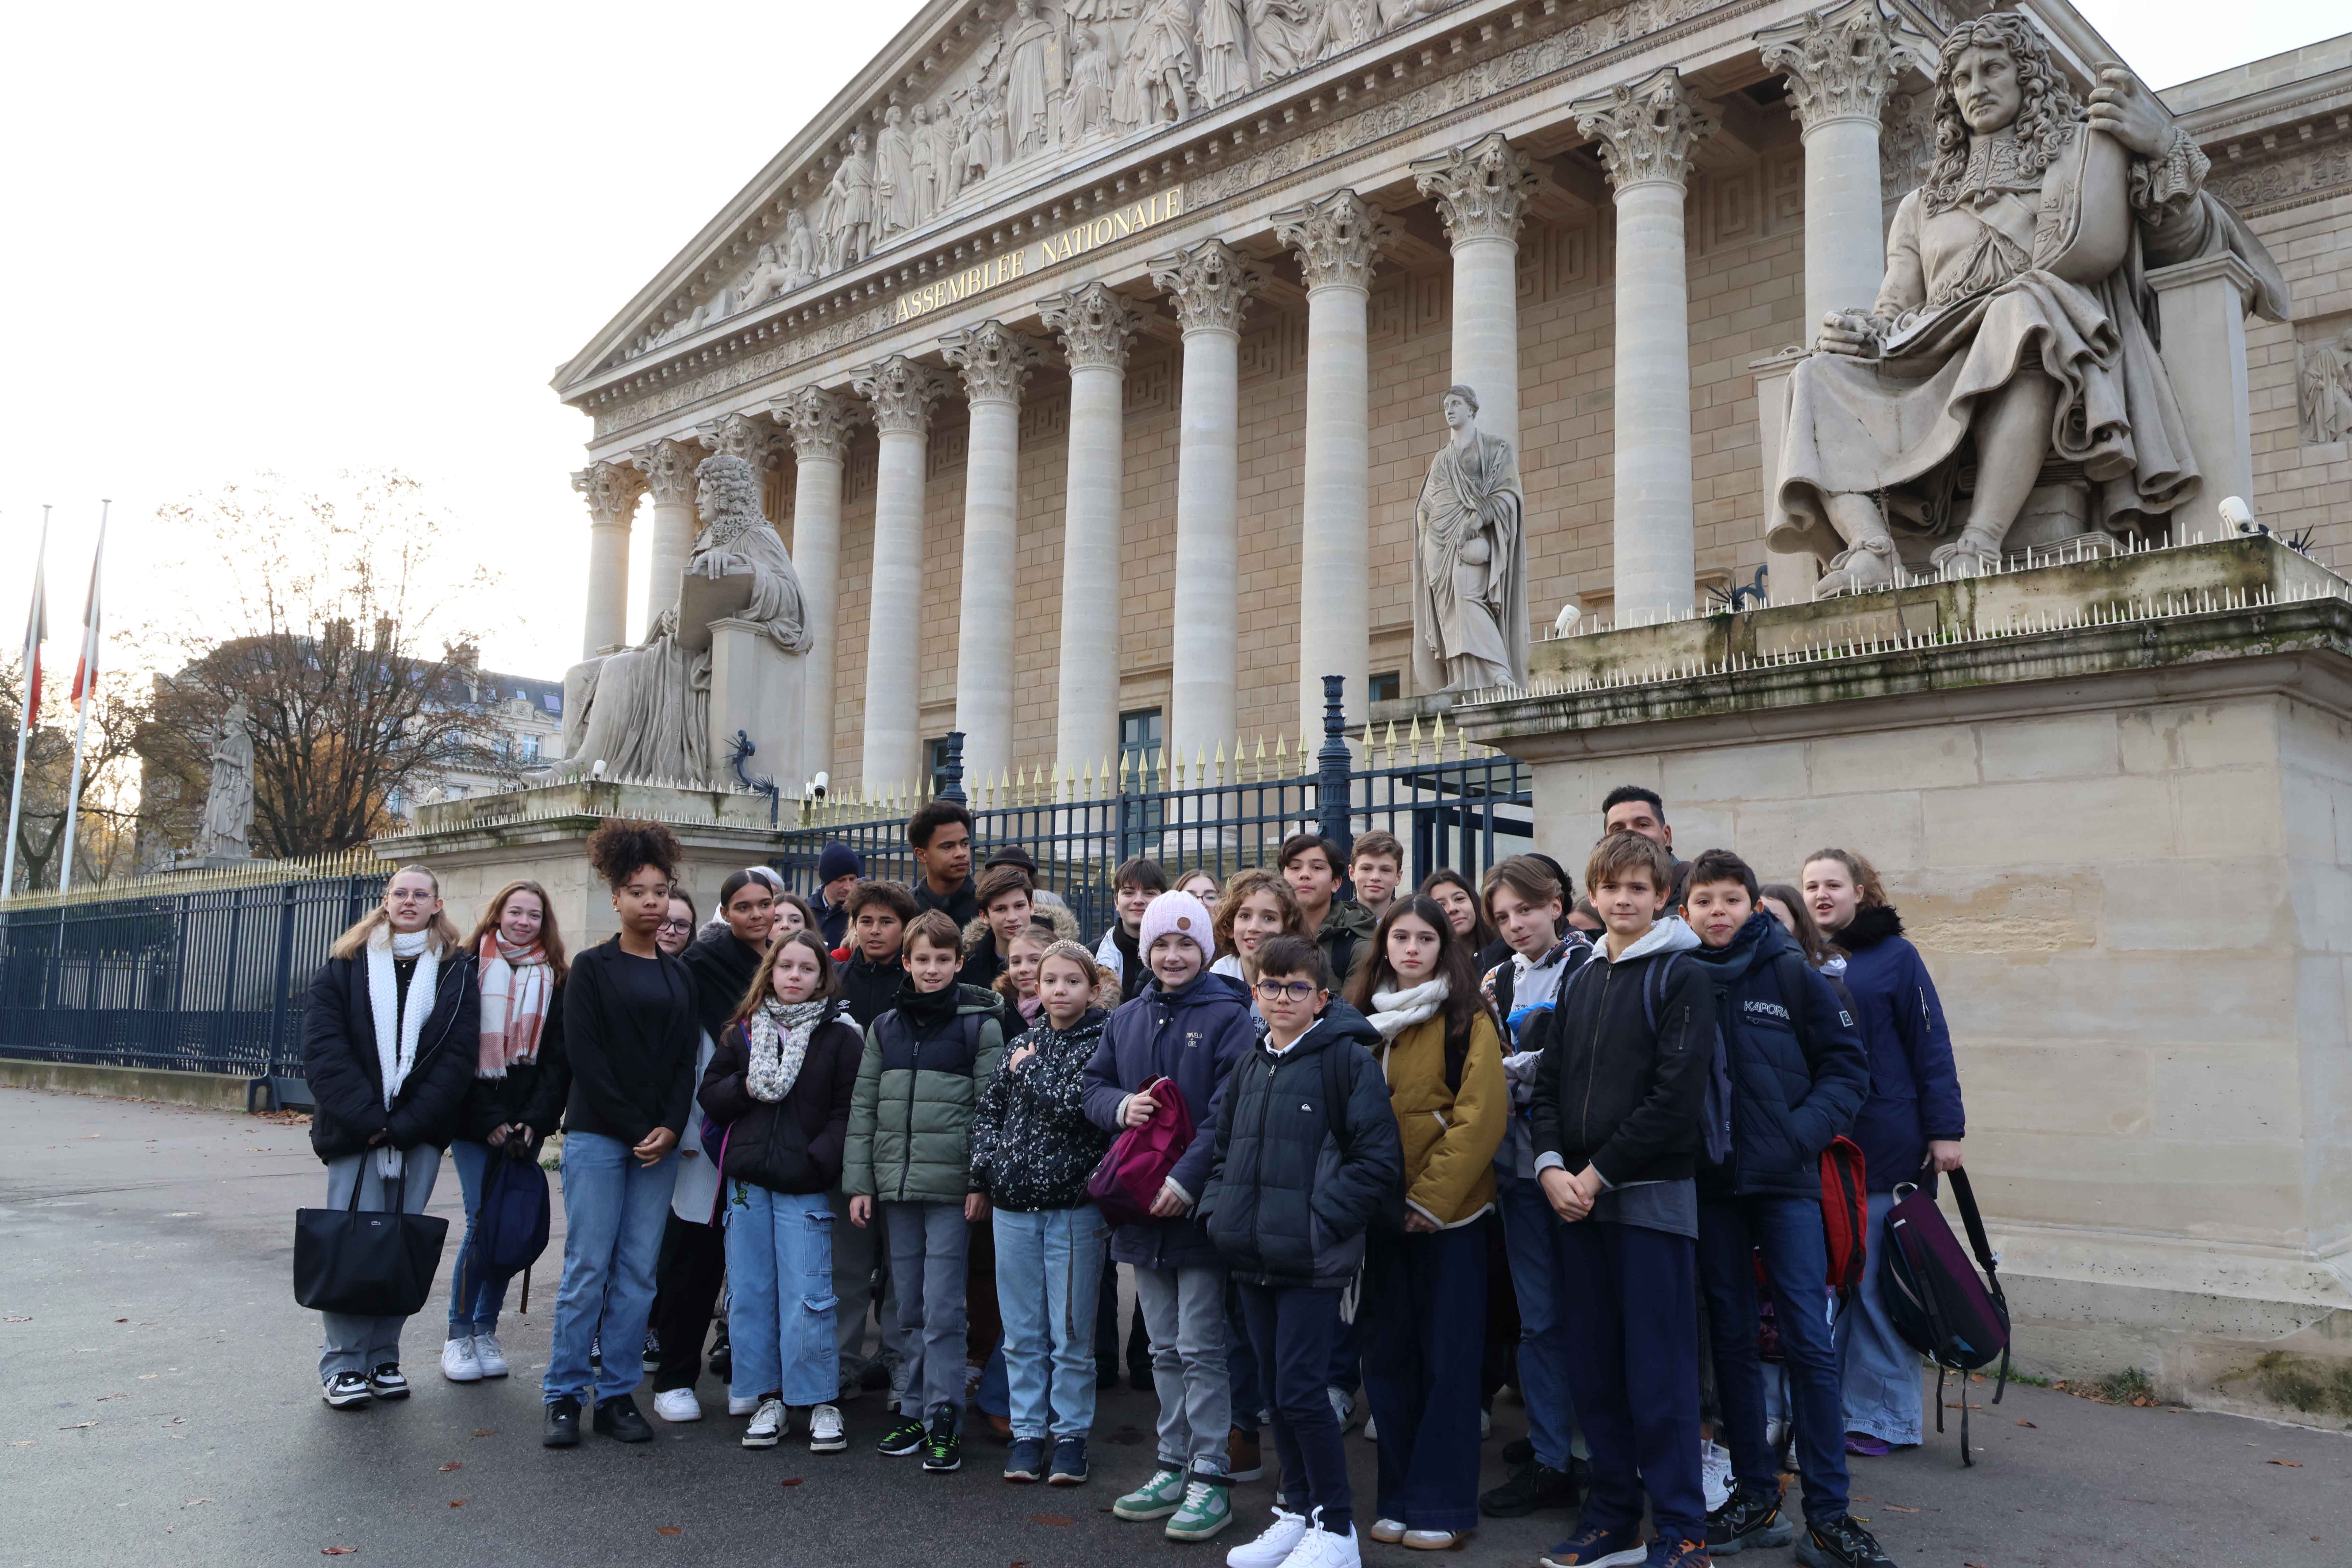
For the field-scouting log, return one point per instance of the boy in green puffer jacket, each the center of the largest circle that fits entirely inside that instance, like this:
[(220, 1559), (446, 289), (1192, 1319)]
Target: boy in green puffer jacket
[(909, 1147)]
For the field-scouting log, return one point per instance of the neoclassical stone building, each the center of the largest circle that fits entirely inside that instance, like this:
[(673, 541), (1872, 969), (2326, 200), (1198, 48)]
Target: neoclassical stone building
[(1093, 348)]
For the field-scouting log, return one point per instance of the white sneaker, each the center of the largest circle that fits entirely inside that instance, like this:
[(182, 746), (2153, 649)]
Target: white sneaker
[(1486, 1425), (487, 1351), (678, 1404), (826, 1432), (1387, 1531), (1327, 1550), (1432, 1539), (768, 1424), (742, 1404), (457, 1362), (1715, 1473), (1275, 1547), (1372, 1433), (1343, 1410)]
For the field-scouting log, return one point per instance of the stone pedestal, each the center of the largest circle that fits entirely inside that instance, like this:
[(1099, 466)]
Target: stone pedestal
[(2108, 798), (2201, 307), (759, 689)]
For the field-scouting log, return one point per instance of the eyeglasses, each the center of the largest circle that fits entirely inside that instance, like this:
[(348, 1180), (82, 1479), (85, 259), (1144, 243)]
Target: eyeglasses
[(677, 925), (1296, 990)]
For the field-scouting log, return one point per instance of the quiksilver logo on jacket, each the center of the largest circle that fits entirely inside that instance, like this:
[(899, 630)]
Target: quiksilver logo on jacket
[(1770, 1009)]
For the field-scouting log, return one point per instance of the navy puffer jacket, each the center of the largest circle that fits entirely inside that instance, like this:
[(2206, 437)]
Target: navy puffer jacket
[(1795, 1059)]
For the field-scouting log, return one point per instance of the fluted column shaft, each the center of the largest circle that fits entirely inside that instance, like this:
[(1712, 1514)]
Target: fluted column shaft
[(1646, 132), (901, 395), (1482, 191), (994, 362), (1840, 64), (1094, 326), (612, 490), (668, 467), (819, 422)]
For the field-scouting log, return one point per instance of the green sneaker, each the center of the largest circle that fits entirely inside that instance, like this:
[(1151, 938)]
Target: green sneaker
[(1155, 1499), (1204, 1512)]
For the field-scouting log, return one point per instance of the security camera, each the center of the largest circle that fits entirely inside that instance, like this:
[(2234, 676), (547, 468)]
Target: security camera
[(818, 785), (598, 771)]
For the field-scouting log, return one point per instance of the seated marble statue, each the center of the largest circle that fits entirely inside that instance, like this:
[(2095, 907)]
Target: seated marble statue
[(2012, 349), (645, 711)]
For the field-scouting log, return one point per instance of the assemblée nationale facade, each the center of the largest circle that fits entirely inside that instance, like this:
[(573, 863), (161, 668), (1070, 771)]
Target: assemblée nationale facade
[(1094, 349)]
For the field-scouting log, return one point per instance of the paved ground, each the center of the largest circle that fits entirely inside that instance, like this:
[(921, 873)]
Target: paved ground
[(160, 1407)]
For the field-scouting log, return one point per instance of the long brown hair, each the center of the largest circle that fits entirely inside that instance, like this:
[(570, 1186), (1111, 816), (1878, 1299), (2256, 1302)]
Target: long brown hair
[(551, 940), (1241, 885), (828, 977), (1458, 965), (1482, 930), (441, 928)]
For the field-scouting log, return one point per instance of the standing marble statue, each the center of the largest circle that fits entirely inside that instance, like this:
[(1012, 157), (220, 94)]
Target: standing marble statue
[(1469, 560), (1026, 79), (227, 830), (1224, 54), (849, 213), (894, 176), (2012, 340), (1088, 111)]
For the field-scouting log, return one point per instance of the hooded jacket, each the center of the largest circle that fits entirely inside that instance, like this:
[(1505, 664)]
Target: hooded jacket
[(1347, 927), (1297, 1178), (982, 963), (1519, 989), (1611, 1090), (1032, 1146), (1192, 1038), (346, 1077), (793, 1144), (918, 1084), (1794, 1058), (1914, 1088)]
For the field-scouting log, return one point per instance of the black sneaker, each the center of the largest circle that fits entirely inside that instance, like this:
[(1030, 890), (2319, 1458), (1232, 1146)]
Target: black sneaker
[(1026, 1462), (1531, 1487), (943, 1447), (722, 1355), (562, 1430), (346, 1391), (386, 1382), (1069, 1463), (621, 1420), (904, 1437), (1752, 1518), (875, 1378), (1840, 1542), (1518, 1451)]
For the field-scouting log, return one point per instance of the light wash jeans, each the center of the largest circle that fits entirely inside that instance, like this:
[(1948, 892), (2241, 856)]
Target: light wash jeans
[(1184, 1313), (1048, 1268), (928, 1245), (1531, 1240), (614, 1212), (780, 1297), (1878, 1373), (362, 1344), (475, 1300)]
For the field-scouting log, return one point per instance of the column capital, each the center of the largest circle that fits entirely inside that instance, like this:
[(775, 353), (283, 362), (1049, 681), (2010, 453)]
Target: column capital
[(1839, 63), (668, 467), (1095, 324), (1338, 239), (741, 435), (995, 360), (1482, 190), (901, 393), (819, 422), (1211, 284), (612, 490), (1645, 129)]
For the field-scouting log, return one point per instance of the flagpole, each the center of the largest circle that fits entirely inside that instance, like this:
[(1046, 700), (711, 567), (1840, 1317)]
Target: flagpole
[(89, 696), (31, 675)]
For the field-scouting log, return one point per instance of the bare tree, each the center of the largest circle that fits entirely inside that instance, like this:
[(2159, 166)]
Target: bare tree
[(110, 798)]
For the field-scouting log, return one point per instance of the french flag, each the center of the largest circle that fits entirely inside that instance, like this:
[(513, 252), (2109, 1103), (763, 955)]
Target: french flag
[(85, 681), (37, 631)]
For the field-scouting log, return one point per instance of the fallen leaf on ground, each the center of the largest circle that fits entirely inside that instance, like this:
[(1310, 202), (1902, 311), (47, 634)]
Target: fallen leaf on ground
[(669, 1530), (793, 1482), (79, 1424), (121, 1320), (2290, 1464), (457, 1502), (145, 1375), (20, 1319), (2027, 1424), (104, 1397), (1897, 1508), (486, 1431), (452, 1464), (1049, 1519), (26, 1443), (337, 1550)]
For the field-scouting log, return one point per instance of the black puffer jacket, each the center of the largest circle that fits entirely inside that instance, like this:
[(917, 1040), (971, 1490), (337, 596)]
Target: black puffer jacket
[(339, 1057), (1032, 1147), (1298, 1177), (531, 1093), (793, 1144)]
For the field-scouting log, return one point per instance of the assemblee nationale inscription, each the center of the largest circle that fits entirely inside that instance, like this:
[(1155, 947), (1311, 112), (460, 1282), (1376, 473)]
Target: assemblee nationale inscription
[(1039, 253)]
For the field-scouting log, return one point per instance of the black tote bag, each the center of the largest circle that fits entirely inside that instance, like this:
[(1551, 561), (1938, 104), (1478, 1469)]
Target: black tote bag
[(366, 1263)]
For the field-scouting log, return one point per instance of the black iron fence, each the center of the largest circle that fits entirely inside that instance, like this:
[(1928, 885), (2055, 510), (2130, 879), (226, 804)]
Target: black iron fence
[(205, 978)]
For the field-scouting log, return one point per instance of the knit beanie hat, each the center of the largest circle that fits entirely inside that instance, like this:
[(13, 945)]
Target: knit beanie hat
[(838, 860), (1175, 914)]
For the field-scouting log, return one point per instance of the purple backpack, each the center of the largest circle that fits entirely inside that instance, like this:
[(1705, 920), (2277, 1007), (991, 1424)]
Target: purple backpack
[(1935, 1298), (1131, 1174)]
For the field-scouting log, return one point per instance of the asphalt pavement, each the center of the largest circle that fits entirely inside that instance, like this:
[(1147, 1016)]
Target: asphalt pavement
[(162, 1405)]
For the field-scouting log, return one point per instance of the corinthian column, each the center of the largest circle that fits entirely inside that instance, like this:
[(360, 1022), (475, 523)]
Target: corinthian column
[(1646, 132), (1840, 64), (819, 422), (901, 394), (669, 469), (1210, 286), (1094, 326), (611, 491), (1338, 240), (1481, 191), (996, 362)]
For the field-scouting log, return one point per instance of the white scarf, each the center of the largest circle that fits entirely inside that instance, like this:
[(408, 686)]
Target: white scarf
[(779, 1035), (1400, 1010), (395, 1038)]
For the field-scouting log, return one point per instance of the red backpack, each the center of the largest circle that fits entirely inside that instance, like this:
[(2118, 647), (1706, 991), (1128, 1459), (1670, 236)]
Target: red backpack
[(1845, 1213), (1131, 1174)]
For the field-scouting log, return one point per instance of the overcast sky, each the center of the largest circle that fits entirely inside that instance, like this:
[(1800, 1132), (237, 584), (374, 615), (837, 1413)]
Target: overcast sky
[(304, 238)]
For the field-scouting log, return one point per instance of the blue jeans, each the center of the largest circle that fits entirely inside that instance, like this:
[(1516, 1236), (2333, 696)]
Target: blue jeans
[(1291, 1333), (475, 1298), (1424, 1312), (1532, 1240), (613, 1211), (1048, 1268), (362, 1344), (1629, 1323), (1878, 1372), (1787, 1231), (779, 1300)]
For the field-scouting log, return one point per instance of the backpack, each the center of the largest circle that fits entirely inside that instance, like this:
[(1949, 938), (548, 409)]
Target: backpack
[(1845, 1214), (1935, 1299), (510, 1223), (1130, 1175)]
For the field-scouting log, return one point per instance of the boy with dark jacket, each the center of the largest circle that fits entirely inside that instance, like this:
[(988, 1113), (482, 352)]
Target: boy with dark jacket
[(1798, 1075), (1307, 1156), (1627, 1051), (875, 915)]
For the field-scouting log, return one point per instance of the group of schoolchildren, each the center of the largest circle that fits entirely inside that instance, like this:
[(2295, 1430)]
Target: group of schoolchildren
[(1441, 1139)]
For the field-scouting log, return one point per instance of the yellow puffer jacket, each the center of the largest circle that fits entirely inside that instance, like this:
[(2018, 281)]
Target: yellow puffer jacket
[(1450, 1135)]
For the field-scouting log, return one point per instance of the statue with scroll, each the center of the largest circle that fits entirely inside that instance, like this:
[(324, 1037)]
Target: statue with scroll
[(227, 830), (1469, 560), (2004, 394)]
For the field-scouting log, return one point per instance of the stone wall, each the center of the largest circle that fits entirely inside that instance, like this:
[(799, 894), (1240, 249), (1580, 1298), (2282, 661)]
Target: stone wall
[(2300, 483)]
